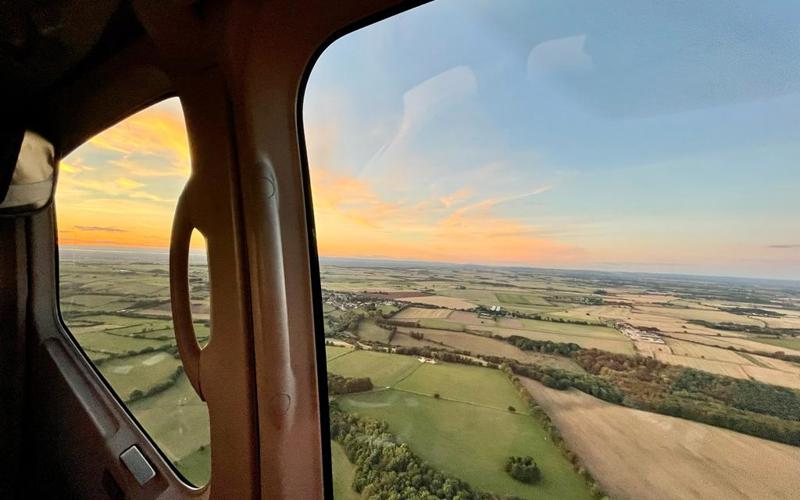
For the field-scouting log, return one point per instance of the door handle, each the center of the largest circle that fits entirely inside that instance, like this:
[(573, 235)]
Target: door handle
[(185, 337)]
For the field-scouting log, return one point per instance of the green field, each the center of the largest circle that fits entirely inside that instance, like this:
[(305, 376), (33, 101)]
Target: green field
[(571, 329), (140, 372), (195, 466), (384, 369), (343, 472), (521, 299), (333, 352), (112, 320), (103, 342), (458, 432), (175, 417), (143, 326), (469, 384), (442, 324), (368, 330)]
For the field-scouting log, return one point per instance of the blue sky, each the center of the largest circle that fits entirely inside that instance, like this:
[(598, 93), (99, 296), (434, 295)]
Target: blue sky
[(647, 136), (640, 136)]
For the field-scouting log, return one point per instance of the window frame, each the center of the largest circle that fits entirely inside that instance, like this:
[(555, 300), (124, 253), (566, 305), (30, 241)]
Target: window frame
[(76, 347), (314, 258)]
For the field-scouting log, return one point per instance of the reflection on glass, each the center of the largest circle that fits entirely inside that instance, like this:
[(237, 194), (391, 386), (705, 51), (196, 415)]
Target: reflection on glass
[(559, 254)]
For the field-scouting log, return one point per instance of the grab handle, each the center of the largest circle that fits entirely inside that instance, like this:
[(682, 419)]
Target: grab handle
[(185, 337)]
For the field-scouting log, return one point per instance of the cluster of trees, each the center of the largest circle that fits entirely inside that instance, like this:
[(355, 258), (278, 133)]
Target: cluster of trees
[(523, 469), (746, 422), (545, 346), (392, 332), (561, 380), (346, 322), (338, 384), (417, 335), (747, 395), (394, 323), (387, 469)]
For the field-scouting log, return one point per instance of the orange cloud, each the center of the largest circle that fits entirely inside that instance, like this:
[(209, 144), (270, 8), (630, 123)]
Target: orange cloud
[(353, 220), (157, 131), (120, 188)]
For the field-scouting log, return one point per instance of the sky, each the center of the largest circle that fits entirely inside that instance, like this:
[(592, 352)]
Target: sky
[(636, 136), (121, 187)]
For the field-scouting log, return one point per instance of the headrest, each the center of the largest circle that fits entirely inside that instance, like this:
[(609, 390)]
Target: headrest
[(27, 173)]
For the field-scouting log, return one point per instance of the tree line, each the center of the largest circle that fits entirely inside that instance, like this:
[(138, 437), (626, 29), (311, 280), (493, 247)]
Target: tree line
[(338, 384)]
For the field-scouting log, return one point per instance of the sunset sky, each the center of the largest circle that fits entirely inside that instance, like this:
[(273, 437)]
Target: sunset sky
[(621, 136)]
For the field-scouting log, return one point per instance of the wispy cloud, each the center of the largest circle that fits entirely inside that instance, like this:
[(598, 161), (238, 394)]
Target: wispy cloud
[(424, 101), (354, 219), (458, 216), (793, 245)]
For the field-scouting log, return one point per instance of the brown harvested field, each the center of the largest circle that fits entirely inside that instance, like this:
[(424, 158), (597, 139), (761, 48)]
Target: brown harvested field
[(709, 365), (726, 341), (784, 322), (775, 377), (403, 340), (700, 314), (694, 350), (422, 312), (601, 313), (650, 349), (510, 323), (483, 345), (619, 344), (778, 364), (640, 455), (643, 298), (470, 318), (724, 362), (666, 319), (438, 300)]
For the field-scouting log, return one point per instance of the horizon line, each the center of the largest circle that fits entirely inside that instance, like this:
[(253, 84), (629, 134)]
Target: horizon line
[(475, 264)]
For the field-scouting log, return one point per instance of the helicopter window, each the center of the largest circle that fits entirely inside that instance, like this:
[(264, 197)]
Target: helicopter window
[(559, 249), (114, 202)]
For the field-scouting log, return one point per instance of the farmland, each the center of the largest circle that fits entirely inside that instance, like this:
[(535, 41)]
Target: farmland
[(397, 323), (455, 432), (654, 450), (116, 305), (745, 329)]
